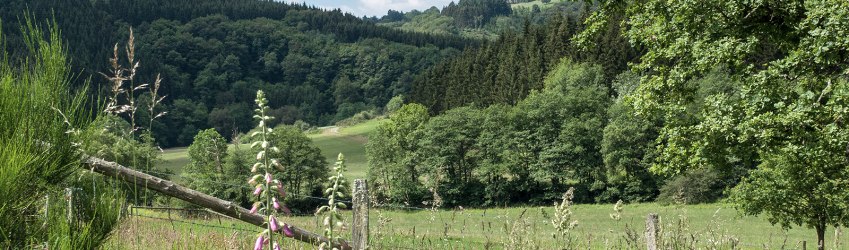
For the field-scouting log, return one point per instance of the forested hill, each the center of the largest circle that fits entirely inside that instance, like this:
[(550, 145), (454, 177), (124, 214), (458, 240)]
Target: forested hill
[(482, 19), (507, 69), (317, 66)]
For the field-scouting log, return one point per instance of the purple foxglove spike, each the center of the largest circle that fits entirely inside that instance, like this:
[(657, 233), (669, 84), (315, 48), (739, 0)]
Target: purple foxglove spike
[(259, 241), (274, 226), (258, 190), (287, 230), (275, 203)]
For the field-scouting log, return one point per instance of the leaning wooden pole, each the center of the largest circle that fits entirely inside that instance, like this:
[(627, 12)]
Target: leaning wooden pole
[(169, 188)]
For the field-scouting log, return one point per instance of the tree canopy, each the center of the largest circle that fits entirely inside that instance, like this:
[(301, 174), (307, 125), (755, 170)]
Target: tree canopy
[(789, 60), (320, 66)]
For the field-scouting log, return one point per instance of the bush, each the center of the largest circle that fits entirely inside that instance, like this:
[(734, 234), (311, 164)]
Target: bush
[(358, 118), (394, 104), (693, 187), (39, 155)]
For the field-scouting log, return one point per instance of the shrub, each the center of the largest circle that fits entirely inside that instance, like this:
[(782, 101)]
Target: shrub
[(358, 118), (692, 187), (39, 153), (394, 104)]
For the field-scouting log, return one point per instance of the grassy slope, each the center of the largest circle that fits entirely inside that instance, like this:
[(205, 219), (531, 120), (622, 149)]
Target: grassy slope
[(530, 5), (349, 141)]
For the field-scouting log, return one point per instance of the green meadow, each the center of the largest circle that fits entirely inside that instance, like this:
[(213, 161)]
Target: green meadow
[(539, 3), (349, 141), (708, 226), (705, 226)]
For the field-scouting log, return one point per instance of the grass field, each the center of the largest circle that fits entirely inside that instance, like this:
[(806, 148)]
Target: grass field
[(349, 141), (712, 226), (539, 3)]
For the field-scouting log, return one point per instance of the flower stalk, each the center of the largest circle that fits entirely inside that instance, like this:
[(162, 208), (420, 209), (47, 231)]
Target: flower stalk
[(267, 188)]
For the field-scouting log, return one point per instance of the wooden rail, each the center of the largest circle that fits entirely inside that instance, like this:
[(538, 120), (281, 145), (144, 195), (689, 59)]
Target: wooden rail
[(169, 188)]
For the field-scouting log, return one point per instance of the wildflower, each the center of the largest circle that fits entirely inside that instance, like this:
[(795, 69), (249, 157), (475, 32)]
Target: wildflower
[(253, 179), (259, 242), (273, 222), (258, 190), (276, 247), (255, 207), (287, 230), (267, 177), (276, 204)]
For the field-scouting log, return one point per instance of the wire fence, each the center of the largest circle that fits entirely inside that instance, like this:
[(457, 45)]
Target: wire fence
[(172, 220), (441, 227)]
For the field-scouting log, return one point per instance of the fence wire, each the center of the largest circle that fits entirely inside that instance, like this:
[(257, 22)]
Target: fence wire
[(495, 222), (195, 223)]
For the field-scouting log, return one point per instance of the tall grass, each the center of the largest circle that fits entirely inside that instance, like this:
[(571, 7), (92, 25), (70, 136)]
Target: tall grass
[(39, 152)]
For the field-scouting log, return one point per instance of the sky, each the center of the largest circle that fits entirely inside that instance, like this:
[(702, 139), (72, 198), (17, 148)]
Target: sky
[(375, 7)]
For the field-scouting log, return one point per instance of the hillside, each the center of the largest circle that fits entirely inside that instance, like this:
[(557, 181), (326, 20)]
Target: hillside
[(319, 66), (349, 141), (480, 19)]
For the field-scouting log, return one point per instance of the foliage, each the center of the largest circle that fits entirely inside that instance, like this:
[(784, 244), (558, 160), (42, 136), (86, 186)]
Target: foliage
[(628, 147), (314, 63), (393, 169), (304, 166), (481, 19), (362, 116), (108, 138), (693, 187), (212, 167), (40, 152), (508, 69), (790, 61), (475, 13), (448, 155), (531, 152), (393, 104)]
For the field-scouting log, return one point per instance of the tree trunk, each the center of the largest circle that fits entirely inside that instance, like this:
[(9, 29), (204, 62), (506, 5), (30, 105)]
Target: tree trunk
[(820, 236)]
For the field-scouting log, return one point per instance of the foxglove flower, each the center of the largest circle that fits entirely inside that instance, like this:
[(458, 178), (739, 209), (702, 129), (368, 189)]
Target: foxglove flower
[(258, 190), (276, 204), (255, 207), (276, 247), (287, 231), (259, 242), (274, 226), (268, 178)]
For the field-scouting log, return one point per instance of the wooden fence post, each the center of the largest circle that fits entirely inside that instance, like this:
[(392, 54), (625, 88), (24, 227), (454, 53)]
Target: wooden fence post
[(359, 236), (651, 231), (69, 196)]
